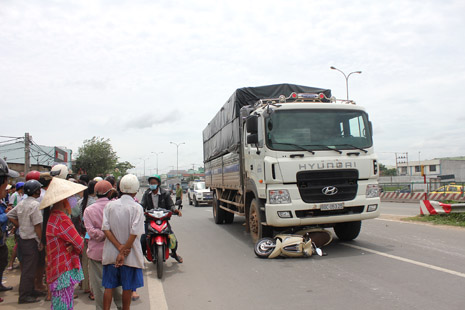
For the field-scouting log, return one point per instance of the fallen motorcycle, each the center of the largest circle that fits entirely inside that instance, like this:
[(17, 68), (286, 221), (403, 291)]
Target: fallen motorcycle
[(301, 243)]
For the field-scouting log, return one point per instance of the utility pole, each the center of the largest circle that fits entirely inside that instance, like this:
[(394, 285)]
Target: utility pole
[(27, 153)]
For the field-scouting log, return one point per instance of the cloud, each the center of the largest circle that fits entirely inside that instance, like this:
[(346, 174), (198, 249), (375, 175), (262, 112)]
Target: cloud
[(150, 119), (96, 66)]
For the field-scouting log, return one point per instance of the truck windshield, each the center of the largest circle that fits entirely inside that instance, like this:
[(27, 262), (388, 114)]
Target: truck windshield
[(286, 130)]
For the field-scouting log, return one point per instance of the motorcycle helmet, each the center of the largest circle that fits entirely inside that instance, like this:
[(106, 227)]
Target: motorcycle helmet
[(4, 171), (31, 186), (63, 171), (33, 175), (102, 187), (98, 179), (154, 176), (129, 184)]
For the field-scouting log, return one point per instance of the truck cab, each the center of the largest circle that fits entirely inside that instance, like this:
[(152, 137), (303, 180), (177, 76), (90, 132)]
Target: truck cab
[(311, 163)]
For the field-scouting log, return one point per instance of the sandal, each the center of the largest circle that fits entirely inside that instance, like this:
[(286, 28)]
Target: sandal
[(75, 296), (178, 258), (91, 296)]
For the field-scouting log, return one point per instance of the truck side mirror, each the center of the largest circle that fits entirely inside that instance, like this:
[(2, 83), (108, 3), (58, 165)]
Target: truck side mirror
[(252, 124), (252, 139)]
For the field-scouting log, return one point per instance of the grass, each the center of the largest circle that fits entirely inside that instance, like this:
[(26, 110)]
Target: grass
[(451, 219)]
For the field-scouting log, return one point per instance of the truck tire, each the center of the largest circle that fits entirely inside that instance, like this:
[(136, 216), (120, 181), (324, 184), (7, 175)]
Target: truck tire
[(190, 200), (196, 203), (257, 230), (218, 213), (348, 231), (228, 217)]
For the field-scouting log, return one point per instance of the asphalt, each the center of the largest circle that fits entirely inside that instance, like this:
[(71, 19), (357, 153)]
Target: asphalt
[(391, 265)]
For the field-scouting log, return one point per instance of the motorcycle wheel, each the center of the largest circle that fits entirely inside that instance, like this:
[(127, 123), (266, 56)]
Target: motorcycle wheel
[(264, 247), (160, 255)]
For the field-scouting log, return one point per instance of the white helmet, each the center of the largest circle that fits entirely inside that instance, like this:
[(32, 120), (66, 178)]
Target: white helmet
[(98, 179), (129, 184), (63, 171)]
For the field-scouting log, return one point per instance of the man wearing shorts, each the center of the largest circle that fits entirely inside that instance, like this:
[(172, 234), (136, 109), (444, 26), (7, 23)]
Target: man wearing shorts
[(122, 260)]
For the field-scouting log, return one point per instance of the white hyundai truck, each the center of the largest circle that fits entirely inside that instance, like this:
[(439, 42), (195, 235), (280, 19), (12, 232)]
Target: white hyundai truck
[(288, 156)]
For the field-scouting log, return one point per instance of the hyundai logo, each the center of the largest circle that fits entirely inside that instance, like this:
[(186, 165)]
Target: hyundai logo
[(329, 190)]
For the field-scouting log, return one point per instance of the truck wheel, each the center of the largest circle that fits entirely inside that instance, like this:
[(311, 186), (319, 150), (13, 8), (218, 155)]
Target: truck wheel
[(348, 231), (218, 213), (190, 200), (257, 230), (228, 217), (196, 203)]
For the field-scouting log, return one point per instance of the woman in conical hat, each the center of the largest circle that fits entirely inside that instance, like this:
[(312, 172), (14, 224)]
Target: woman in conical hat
[(64, 244)]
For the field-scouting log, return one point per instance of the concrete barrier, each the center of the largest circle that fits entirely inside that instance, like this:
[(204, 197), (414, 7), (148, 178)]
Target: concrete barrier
[(430, 207)]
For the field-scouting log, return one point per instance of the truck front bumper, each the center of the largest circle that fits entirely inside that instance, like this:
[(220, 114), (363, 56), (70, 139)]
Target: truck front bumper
[(303, 214)]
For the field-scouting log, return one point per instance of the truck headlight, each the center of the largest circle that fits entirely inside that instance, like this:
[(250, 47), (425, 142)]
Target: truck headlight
[(372, 208), (279, 196), (372, 191)]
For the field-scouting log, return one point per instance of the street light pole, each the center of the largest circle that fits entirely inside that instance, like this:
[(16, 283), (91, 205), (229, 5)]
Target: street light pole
[(347, 79), (157, 158), (177, 155)]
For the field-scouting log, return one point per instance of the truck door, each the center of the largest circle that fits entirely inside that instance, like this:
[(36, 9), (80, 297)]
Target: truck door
[(253, 157)]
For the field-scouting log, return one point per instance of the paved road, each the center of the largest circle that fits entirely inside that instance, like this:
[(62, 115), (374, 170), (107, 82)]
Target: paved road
[(392, 265)]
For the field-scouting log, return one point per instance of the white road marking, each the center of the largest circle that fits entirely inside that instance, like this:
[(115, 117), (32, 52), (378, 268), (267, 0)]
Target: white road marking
[(406, 260), (157, 296)]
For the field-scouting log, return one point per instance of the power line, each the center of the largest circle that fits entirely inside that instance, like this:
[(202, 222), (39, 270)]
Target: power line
[(7, 141), (9, 137), (17, 148), (35, 144)]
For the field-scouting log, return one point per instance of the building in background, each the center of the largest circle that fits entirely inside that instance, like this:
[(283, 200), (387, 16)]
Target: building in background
[(452, 168), (42, 157)]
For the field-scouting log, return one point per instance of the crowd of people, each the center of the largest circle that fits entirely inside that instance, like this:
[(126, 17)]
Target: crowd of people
[(71, 231)]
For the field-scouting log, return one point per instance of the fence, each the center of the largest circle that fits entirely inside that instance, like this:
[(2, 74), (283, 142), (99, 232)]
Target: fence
[(416, 191)]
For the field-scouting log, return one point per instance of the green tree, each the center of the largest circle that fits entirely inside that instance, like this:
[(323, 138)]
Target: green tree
[(384, 171), (122, 168), (96, 157)]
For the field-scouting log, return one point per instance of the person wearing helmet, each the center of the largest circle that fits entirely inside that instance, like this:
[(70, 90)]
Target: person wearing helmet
[(93, 218), (28, 217), (122, 260), (157, 197), (17, 196), (5, 174)]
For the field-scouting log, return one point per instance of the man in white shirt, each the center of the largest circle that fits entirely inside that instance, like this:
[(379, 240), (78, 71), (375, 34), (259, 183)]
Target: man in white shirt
[(122, 259)]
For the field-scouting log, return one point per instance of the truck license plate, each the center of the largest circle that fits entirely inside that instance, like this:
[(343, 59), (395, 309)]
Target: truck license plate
[(331, 206)]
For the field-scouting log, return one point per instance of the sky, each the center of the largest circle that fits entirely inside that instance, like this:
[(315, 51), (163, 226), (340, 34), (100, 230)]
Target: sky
[(147, 73)]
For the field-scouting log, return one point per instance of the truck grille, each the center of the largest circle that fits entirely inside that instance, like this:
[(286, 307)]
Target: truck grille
[(311, 184), (318, 212)]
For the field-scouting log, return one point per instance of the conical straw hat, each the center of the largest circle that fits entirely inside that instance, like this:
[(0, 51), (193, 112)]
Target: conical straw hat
[(58, 190)]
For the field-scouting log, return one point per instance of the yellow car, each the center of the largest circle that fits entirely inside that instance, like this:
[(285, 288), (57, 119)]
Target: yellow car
[(449, 189)]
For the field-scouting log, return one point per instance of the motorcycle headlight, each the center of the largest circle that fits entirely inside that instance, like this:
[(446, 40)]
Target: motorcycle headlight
[(372, 191), (279, 196)]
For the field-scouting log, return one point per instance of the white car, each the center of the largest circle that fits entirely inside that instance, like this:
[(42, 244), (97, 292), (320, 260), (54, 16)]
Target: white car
[(198, 193)]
